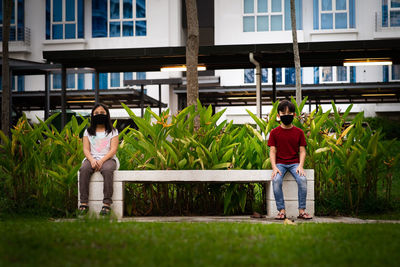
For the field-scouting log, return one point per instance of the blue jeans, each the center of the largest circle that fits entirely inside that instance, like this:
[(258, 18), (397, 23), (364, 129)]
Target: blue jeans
[(277, 185)]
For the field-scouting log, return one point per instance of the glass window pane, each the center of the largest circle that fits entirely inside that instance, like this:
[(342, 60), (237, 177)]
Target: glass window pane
[(394, 18), (70, 30), (103, 80), (13, 34), (395, 3), (326, 5), (1, 11), (140, 8), (316, 75), (340, 4), (262, 23), (99, 18), (80, 19), (56, 81), (114, 9), (57, 10), (276, 5), (141, 75), (127, 28), (70, 10), (395, 72), (278, 75), (341, 21), (326, 21), (128, 76), (248, 24), (115, 80), (58, 31), (127, 9), (248, 6), (47, 19), (341, 73), (262, 5), (140, 28), (290, 76), (115, 29), (264, 75), (327, 74), (70, 80), (21, 83), (81, 81), (276, 23), (249, 76)]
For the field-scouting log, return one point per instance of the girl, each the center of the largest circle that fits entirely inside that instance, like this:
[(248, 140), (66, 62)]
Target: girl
[(100, 143)]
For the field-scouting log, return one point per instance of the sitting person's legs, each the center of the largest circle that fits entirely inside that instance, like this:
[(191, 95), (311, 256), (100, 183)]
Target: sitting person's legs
[(107, 170), (85, 172), (302, 190), (278, 193)]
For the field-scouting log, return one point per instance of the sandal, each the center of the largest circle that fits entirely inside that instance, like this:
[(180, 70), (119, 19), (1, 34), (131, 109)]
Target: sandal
[(257, 215), (105, 210), (304, 216), (83, 209), (281, 216)]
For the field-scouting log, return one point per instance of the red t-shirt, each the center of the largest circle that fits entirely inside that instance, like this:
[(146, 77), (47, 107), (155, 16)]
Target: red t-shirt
[(287, 143)]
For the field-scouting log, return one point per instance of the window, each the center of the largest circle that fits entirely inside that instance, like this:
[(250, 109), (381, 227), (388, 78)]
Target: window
[(17, 83), (269, 15), (290, 75), (74, 81), (265, 72), (334, 14), (119, 18), (334, 74), (390, 13), (17, 23), (391, 73), (115, 80), (64, 19)]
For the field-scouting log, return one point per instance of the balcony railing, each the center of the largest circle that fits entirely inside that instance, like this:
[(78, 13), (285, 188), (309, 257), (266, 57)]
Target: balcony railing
[(20, 34)]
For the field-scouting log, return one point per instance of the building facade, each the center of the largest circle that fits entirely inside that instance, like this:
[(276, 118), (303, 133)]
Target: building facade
[(45, 25)]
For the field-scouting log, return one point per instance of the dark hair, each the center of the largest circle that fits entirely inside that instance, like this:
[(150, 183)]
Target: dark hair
[(286, 104), (92, 128)]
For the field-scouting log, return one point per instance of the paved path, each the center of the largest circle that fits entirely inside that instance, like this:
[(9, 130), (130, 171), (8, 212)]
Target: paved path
[(247, 219)]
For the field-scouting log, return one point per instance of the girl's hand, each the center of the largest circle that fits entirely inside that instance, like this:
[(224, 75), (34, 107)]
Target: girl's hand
[(93, 164), (99, 164)]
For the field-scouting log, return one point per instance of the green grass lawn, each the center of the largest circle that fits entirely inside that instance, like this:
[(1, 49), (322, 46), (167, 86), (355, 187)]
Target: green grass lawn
[(90, 243)]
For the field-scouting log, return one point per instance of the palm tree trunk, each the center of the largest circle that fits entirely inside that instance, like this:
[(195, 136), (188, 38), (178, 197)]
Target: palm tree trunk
[(296, 52), (5, 100), (192, 52)]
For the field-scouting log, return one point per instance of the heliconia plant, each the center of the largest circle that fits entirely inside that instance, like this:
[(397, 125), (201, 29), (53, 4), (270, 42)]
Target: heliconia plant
[(39, 164)]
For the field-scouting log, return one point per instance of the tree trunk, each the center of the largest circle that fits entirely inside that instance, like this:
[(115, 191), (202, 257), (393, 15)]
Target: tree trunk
[(5, 100), (296, 52), (192, 52)]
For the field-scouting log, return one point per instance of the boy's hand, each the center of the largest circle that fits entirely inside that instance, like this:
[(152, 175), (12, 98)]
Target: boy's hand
[(300, 171), (93, 163), (275, 171), (99, 164)]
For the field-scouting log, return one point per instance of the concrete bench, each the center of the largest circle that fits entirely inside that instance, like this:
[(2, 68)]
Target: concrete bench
[(197, 176)]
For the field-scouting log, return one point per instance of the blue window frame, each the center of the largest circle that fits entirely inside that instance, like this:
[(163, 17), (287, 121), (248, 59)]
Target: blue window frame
[(119, 18), (270, 15), (17, 23), (64, 19), (334, 14), (334, 74), (74, 81), (249, 75), (115, 79), (390, 13), (395, 75), (140, 75)]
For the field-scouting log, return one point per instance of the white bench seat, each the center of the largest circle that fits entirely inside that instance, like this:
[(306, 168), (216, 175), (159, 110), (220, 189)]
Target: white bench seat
[(200, 176)]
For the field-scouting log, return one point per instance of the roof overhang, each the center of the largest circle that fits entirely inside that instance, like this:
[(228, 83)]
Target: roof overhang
[(226, 56)]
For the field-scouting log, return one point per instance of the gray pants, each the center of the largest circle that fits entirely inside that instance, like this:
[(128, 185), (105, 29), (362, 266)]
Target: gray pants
[(86, 171)]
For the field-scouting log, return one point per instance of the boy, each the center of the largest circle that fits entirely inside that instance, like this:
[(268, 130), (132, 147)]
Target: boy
[(287, 153)]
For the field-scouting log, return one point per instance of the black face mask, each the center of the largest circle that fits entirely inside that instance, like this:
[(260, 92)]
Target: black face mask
[(100, 119), (287, 119)]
